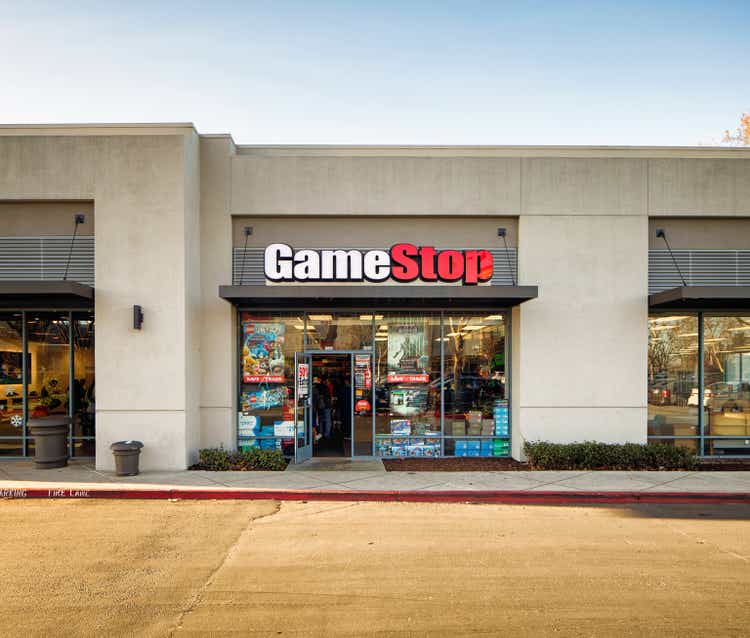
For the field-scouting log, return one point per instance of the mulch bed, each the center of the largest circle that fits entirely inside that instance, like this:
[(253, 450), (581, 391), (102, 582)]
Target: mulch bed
[(463, 464)]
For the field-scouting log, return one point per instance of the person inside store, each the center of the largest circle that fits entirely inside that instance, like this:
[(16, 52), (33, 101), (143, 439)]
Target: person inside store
[(322, 408)]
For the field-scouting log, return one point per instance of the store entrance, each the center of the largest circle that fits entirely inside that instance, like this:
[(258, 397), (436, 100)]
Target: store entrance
[(331, 405)]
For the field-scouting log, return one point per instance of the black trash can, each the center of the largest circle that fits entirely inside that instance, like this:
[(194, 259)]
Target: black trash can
[(127, 455), (50, 441)]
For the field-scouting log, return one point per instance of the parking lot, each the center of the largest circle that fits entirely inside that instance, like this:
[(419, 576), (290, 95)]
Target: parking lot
[(195, 568)]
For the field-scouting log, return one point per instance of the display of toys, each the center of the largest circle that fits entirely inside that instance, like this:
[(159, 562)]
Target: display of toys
[(263, 399), (400, 426)]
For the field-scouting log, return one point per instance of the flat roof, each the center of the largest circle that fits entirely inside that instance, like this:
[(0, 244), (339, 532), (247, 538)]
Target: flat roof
[(376, 150)]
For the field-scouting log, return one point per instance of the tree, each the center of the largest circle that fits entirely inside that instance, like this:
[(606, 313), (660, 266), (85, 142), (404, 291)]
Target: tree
[(741, 135)]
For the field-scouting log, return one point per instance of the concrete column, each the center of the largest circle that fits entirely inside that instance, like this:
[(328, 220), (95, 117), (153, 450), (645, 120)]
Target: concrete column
[(580, 348)]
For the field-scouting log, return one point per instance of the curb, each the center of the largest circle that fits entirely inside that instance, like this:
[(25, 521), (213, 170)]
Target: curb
[(453, 496)]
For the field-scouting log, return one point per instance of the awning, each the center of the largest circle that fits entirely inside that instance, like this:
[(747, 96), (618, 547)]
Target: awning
[(41, 295), (701, 298), (403, 297)]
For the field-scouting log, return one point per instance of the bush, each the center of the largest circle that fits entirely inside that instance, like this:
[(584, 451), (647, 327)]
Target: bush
[(221, 460), (591, 455)]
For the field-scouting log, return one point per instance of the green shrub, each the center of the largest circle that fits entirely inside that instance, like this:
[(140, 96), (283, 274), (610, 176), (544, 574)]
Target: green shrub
[(221, 460), (591, 455)]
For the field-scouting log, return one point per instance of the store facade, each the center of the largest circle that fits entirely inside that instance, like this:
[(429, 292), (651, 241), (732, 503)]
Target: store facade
[(370, 301)]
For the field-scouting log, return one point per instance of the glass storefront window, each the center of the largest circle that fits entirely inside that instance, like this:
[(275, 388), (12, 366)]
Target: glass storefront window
[(11, 384), (407, 390), (405, 367), (476, 407), (726, 370), (339, 331), (673, 376), (266, 404), (84, 391)]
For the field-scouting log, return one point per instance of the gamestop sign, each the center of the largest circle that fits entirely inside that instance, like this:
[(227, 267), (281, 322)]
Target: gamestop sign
[(402, 264)]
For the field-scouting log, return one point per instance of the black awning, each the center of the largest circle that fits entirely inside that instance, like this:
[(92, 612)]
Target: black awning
[(40, 295), (701, 298), (369, 296)]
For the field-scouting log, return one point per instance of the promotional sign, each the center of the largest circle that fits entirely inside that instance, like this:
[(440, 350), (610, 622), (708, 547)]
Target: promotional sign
[(403, 263), (263, 352), (407, 351), (362, 372), (303, 379)]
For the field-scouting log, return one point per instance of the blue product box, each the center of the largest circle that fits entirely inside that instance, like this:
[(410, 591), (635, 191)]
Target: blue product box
[(267, 444), (266, 430)]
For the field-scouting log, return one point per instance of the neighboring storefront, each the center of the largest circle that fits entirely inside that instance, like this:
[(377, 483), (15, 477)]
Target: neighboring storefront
[(369, 301)]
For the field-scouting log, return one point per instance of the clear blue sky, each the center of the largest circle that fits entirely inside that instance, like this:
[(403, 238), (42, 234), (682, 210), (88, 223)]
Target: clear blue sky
[(658, 72)]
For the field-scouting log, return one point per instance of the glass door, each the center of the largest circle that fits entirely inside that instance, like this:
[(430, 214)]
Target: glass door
[(302, 407)]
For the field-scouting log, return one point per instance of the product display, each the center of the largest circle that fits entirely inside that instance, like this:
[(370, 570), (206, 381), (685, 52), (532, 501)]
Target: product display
[(408, 401), (400, 426), (386, 445), (262, 352), (263, 399)]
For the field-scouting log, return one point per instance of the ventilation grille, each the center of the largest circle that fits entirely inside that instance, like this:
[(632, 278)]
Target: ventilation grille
[(699, 268), (44, 258), (247, 266)]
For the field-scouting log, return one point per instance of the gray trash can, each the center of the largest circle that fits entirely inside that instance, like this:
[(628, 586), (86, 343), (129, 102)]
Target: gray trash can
[(50, 441), (127, 455)]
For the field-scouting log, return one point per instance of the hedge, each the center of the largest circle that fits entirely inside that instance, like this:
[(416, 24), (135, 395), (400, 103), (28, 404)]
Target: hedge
[(219, 460), (591, 455)]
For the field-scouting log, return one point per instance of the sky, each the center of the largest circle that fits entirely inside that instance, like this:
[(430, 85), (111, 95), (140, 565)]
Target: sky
[(658, 72)]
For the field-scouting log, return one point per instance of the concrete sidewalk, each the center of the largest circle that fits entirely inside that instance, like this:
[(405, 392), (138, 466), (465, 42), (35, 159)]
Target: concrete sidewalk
[(369, 476)]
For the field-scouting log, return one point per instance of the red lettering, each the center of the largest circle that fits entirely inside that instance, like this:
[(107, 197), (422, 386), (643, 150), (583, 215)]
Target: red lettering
[(450, 265), (427, 254), (478, 266), (404, 265)]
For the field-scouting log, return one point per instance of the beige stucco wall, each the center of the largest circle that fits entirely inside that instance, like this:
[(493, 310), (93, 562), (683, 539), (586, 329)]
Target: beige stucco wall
[(139, 181), (33, 219)]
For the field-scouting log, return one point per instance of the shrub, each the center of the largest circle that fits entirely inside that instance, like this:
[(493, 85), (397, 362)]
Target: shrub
[(221, 460), (591, 455)]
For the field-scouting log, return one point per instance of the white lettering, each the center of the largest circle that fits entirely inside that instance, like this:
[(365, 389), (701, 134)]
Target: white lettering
[(307, 265), (278, 262), (341, 265), (377, 265)]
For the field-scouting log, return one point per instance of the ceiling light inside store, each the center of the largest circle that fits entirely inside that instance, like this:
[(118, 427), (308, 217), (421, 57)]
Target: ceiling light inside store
[(493, 318), (299, 327), (663, 327), (688, 334), (369, 317), (443, 339), (473, 327), (381, 338), (738, 329), (454, 334), (716, 339), (320, 317)]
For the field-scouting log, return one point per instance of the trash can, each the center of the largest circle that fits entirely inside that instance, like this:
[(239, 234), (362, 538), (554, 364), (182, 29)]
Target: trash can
[(50, 441), (127, 454)]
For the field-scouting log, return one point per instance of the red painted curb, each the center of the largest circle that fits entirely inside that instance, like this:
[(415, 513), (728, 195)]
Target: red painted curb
[(550, 497)]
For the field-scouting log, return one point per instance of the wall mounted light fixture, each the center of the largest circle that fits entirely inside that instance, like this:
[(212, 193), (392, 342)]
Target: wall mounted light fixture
[(137, 317)]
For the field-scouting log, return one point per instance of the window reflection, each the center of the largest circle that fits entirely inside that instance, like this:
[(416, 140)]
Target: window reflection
[(673, 377), (726, 362), (11, 388)]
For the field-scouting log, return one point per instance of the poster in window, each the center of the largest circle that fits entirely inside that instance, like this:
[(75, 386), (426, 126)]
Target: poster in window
[(263, 352), (407, 351)]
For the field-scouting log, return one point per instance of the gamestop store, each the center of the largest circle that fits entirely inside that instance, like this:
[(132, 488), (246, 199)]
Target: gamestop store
[(189, 292), (396, 348)]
